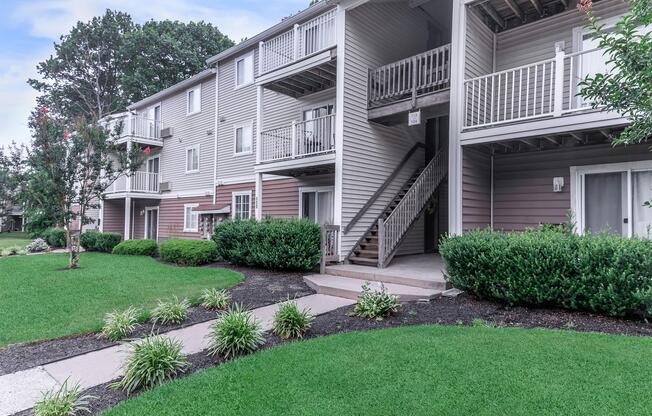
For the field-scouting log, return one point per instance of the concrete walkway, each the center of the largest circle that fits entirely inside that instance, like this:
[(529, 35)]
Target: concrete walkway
[(21, 390)]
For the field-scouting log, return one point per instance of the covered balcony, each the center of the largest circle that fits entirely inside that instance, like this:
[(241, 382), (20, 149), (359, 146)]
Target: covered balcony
[(298, 148), (300, 61), (145, 183), (418, 82), (138, 129)]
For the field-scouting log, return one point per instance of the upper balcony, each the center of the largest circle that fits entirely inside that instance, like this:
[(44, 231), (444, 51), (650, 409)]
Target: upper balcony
[(300, 61), (298, 147), (419, 82), (139, 183), (138, 128), (523, 70)]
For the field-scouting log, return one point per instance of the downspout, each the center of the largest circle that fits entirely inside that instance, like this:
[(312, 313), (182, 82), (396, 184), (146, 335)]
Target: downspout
[(217, 108)]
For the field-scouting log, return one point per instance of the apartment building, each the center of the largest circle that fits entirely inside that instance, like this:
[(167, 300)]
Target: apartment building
[(390, 123)]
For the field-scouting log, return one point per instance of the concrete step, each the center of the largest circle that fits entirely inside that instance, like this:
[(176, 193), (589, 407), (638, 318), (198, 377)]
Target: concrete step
[(365, 270), (344, 287)]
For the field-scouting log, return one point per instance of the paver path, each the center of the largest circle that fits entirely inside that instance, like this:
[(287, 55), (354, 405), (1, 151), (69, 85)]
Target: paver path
[(21, 390)]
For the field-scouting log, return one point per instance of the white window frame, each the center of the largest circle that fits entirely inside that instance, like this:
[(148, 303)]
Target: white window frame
[(246, 82), (315, 189), (235, 138), (196, 148), (185, 218), (234, 206), (197, 90), (577, 174)]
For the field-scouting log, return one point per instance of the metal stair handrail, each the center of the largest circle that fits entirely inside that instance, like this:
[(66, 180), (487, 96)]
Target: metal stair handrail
[(393, 228)]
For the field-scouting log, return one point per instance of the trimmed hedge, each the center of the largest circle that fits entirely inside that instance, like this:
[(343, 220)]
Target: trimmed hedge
[(137, 248), (188, 252), (55, 237), (97, 241), (604, 274), (275, 244)]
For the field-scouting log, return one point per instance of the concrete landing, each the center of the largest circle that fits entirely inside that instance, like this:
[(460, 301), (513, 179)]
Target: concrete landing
[(423, 270), (351, 288)]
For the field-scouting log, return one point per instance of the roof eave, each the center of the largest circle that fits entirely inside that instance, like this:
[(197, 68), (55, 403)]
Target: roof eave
[(174, 88)]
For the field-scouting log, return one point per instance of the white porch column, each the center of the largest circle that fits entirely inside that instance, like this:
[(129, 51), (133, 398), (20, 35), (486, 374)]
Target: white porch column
[(259, 196), (127, 231), (259, 121), (128, 178), (101, 217), (339, 123)]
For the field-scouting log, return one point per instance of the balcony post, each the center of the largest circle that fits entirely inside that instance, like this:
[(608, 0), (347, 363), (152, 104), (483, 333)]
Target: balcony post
[(259, 197), (414, 81), (128, 177), (259, 123), (261, 56), (294, 139), (296, 43), (559, 79), (127, 229)]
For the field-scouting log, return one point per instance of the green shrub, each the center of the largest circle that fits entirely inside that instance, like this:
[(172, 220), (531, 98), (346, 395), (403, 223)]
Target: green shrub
[(188, 252), (63, 401), (290, 321), (151, 362), (236, 332), (39, 245), (276, 244), (172, 312), (13, 251), (215, 299), (375, 303), (137, 248), (605, 274), (97, 241), (118, 324), (55, 237)]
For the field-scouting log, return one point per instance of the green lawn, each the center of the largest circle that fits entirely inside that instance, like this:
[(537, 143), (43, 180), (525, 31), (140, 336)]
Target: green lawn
[(13, 239), (39, 299), (427, 370)]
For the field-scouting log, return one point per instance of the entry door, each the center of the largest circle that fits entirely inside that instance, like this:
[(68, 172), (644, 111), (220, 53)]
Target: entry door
[(153, 170), (151, 224), (318, 133), (154, 121), (618, 203), (317, 205)]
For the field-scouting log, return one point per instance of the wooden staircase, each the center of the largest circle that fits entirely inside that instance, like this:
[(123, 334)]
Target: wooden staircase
[(379, 244), (366, 251)]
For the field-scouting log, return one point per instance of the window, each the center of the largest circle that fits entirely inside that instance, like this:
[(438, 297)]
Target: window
[(193, 100), (192, 159), (612, 198), (241, 205), (190, 219), (243, 138), (317, 204), (244, 70)]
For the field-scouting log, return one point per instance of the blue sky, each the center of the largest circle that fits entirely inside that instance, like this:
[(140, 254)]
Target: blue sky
[(29, 28)]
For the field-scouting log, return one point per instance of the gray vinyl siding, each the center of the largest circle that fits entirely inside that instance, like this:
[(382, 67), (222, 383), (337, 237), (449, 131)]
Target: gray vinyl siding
[(188, 131), (523, 194), (476, 189), (413, 242), (375, 34), (479, 46), (536, 41), (235, 107)]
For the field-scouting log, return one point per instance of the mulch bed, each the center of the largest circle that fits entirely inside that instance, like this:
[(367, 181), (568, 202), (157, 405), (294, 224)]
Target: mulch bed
[(260, 288), (462, 310)]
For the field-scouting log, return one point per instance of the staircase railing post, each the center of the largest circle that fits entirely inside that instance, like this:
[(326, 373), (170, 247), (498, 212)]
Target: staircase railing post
[(322, 249), (381, 243)]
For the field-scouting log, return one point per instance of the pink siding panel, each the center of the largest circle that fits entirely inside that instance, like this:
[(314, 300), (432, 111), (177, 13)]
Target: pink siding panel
[(114, 216), (476, 189), (171, 217), (281, 198)]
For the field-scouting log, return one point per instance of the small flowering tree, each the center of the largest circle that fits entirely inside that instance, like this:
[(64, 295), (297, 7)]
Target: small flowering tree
[(626, 87), (71, 165)]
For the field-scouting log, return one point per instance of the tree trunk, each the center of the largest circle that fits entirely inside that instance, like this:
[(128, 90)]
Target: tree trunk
[(73, 249)]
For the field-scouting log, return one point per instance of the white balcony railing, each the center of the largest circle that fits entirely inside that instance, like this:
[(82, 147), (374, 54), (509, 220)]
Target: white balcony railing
[(410, 77), (306, 138), (144, 182), (137, 126), (543, 89), (300, 42)]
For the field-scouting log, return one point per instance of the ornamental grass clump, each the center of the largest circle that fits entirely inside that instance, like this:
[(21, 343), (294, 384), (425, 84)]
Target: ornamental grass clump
[(376, 303), (13, 251), (119, 324), (236, 332), (64, 401), (290, 321), (215, 299), (151, 362), (172, 312)]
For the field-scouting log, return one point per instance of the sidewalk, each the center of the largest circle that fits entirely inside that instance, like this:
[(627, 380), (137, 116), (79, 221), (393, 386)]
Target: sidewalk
[(21, 390)]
